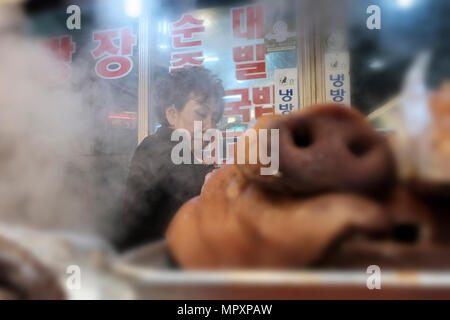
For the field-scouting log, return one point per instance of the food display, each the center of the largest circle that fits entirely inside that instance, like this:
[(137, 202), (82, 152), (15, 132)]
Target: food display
[(336, 202), (324, 148), (431, 168)]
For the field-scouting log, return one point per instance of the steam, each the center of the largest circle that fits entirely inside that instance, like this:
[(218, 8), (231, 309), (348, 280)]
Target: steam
[(46, 179)]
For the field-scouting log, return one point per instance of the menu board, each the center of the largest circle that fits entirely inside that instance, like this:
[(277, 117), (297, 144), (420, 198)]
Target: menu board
[(235, 44)]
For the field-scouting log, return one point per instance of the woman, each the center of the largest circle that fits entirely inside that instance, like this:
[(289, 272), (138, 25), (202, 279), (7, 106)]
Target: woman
[(157, 187)]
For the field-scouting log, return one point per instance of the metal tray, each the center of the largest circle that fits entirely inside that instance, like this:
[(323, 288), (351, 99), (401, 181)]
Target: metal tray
[(148, 270)]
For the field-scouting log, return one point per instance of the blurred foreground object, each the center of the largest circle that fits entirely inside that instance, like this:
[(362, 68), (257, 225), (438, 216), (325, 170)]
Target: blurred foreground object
[(322, 148), (58, 250), (437, 168), (238, 221), (349, 212), (23, 277), (423, 141)]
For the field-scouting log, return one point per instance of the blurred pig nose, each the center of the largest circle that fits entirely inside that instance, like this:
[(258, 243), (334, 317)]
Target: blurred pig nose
[(332, 147), (328, 148)]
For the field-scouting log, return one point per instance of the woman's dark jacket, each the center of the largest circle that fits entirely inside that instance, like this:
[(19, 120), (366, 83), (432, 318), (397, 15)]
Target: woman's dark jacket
[(156, 189)]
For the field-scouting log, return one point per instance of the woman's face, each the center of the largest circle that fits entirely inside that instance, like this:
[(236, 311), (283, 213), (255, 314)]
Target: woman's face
[(196, 109)]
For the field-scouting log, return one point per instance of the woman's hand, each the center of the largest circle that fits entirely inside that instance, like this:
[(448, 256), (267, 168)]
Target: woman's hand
[(208, 175)]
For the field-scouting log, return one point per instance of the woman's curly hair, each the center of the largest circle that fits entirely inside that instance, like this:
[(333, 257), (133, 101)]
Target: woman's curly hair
[(176, 89)]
